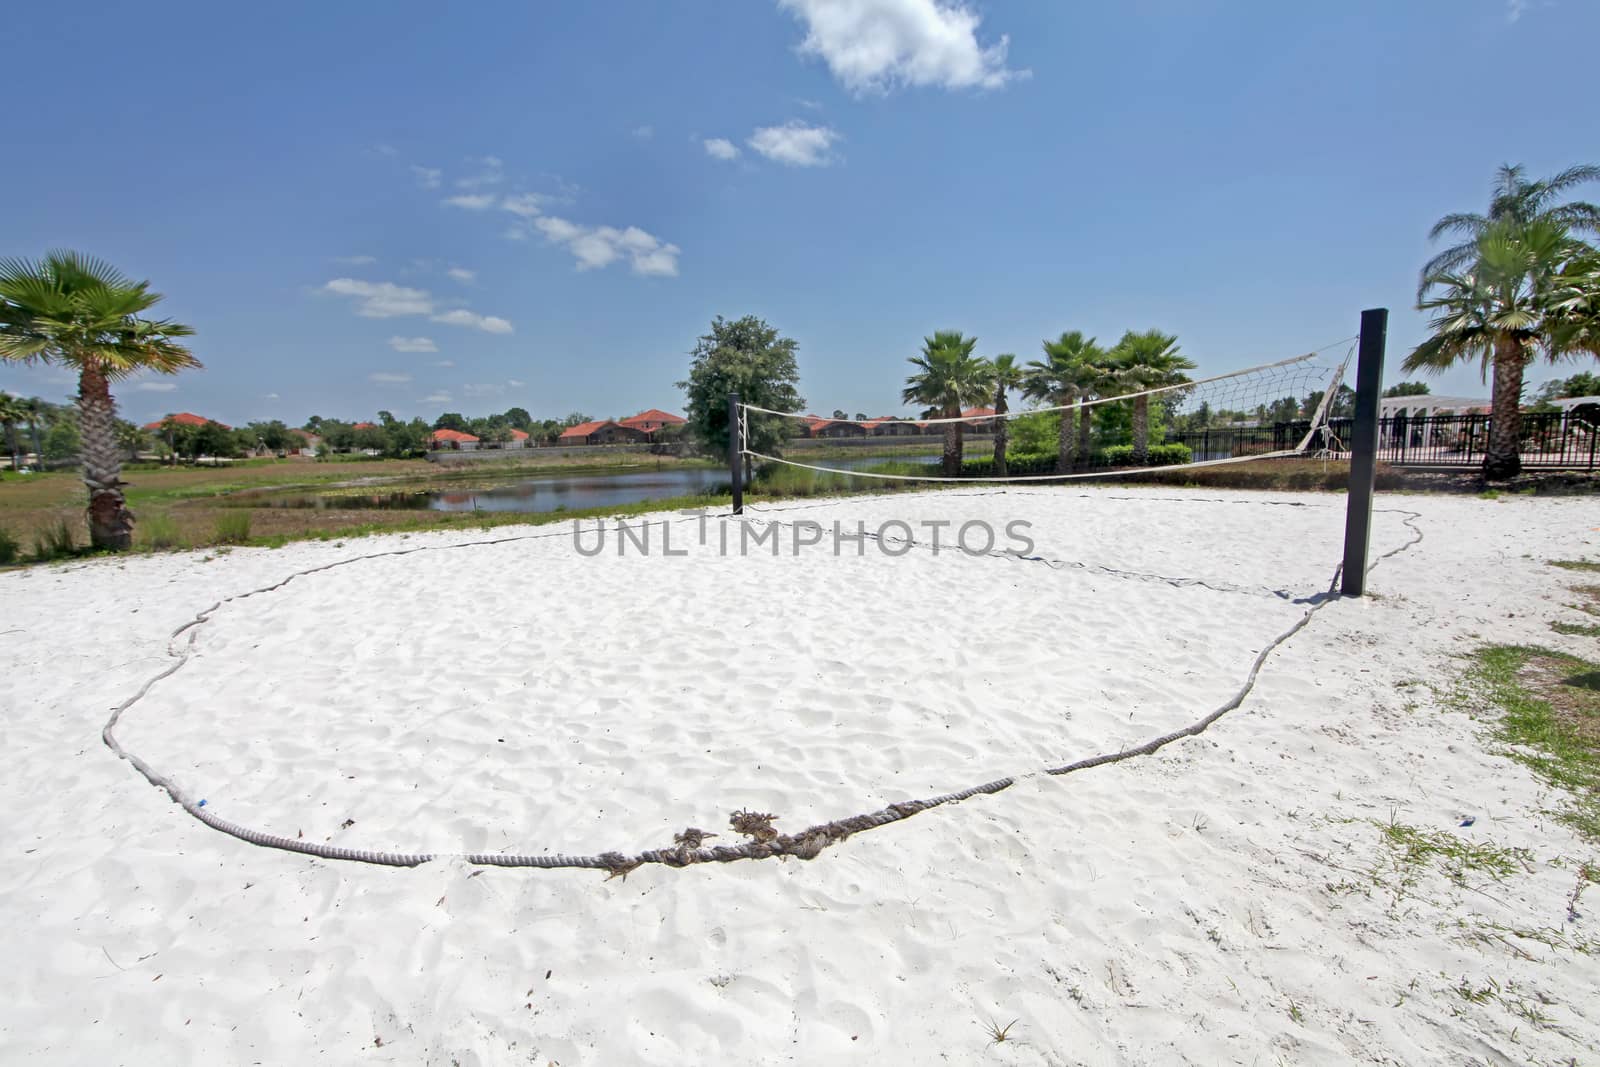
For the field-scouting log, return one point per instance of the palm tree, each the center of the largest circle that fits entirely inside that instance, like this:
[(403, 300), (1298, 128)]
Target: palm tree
[(1144, 361), (11, 413), (1574, 306), (1004, 374), (77, 311), (1499, 310), (948, 377), (1515, 200), (34, 410), (1072, 369)]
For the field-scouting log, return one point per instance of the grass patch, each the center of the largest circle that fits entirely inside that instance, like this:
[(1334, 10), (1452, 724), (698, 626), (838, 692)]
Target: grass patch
[(54, 542), (158, 531), (1420, 848), (1576, 564), (1574, 629), (10, 548), (233, 527), (1549, 707)]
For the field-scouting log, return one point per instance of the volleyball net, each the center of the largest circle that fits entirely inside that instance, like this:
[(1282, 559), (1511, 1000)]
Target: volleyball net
[(1271, 411)]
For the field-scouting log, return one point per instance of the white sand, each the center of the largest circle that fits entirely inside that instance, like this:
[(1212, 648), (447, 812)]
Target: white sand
[(1228, 900)]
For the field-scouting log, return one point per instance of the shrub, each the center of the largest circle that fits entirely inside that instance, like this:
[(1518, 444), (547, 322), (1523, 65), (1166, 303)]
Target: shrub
[(233, 527), (54, 543), (1017, 463), (1159, 455), (9, 548), (159, 531)]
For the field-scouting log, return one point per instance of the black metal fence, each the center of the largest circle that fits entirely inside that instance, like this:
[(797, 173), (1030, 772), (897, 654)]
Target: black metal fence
[(1551, 440)]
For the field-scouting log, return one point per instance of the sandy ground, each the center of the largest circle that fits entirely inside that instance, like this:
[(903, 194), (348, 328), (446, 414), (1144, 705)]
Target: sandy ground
[(1230, 899)]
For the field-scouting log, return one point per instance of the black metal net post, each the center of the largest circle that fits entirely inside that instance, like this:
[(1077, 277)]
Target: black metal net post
[(735, 454), (1363, 451)]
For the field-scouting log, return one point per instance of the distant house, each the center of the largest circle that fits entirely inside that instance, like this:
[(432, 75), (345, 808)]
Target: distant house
[(308, 444), (184, 418), (816, 426), (601, 432), (365, 426), (978, 419), (890, 426), (652, 422), (453, 439), (519, 439)]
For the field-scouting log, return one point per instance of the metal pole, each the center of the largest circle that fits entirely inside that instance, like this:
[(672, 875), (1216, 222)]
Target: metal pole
[(1363, 450), (735, 454)]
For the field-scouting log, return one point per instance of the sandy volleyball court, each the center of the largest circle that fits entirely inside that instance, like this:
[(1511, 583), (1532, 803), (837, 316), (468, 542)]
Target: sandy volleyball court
[(1226, 900)]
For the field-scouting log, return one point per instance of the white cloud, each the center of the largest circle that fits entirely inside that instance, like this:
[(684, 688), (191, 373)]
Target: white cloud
[(270, 396), (526, 205), (515, 383), (435, 398), (877, 45), (445, 363), (596, 247), (644, 133), (472, 201), (156, 387), (721, 148), (382, 300), (385, 378), (491, 172), (1515, 9), (795, 143), (412, 344), (427, 177), (355, 261), (481, 390), (463, 317), (462, 274)]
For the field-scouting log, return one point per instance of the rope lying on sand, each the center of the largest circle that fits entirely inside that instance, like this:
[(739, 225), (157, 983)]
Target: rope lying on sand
[(764, 842)]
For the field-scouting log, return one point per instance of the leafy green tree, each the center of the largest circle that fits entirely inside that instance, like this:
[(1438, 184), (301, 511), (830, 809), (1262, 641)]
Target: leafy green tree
[(1006, 377), (74, 310), (62, 440), (519, 418), (375, 438), (1073, 367), (131, 438), (338, 435), (403, 439), (1497, 311), (1406, 389), (451, 420), (1035, 433), (839, 413), (1143, 361), (948, 377), (313, 425), (748, 357), (272, 435), (386, 419), (11, 414), (1515, 201), (36, 411)]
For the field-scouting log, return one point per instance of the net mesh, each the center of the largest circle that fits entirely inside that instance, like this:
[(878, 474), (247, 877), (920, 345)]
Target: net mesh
[(1271, 411)]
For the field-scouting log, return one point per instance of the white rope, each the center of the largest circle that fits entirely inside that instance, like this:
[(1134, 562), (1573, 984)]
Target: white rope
[(1109, 472)]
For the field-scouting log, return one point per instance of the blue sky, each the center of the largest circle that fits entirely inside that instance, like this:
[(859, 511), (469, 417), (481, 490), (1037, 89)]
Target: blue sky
[(421, 207)]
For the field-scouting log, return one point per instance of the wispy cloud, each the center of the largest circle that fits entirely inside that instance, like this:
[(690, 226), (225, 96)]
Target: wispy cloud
[(878, 45), (472, 201), (386, 300), (491, 171), (515, 383), (463, 317), (387, 378), (436, 398), (270, 396), (156, 387), (445, 363), (381, 300), (596, 247), (1515, 9), (413, 344), (644, 133), (427, 177), (355, 261), (721, 148), (795, 144), (462, 274)]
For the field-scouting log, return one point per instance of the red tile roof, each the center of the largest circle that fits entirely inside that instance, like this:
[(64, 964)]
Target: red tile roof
[(584, 429), (364, 426), (656, 415), (452, 435), (970, 413), (518, 435), (185, 418)]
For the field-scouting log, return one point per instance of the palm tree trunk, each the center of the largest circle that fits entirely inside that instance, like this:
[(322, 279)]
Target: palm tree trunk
[(952, 446), (110, 521), (1064, 456), (1085, 429), (1002, 432), (1141, 430), (1504, 456), (11, 439)]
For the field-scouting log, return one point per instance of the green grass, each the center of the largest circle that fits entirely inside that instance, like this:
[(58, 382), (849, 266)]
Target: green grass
[(10, 548), (1576, 564), (1417, 847), (1573, 629), (54, 542), (1548, 707), (233, 527)]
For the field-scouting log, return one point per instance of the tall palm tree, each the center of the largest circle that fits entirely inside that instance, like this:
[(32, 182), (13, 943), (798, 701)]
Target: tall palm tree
[(1005, 375), (11, 413), (77, 311), (1143, 361), (1516, 200), (1574, 306), (1072, 368), (948, 377), (33, 408), (1499, 311)]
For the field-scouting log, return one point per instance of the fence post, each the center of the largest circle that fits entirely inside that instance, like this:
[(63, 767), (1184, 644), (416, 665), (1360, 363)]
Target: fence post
[(735, 467), (1363, 451)]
